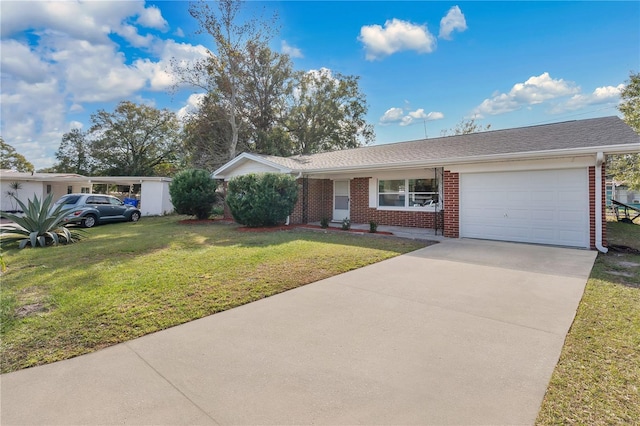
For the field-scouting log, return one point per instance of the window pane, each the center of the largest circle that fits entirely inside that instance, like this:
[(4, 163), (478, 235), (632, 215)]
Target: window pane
[(422, 185), (391, 185), (391, 200)]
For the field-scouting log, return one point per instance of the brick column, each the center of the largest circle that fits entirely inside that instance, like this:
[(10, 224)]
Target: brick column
[(451, 204), (592, 207)]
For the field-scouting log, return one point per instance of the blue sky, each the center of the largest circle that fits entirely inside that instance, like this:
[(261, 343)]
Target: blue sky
[(421, 64)]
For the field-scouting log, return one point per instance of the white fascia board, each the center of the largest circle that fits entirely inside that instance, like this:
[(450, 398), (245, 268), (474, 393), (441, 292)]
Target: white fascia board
[(220, 172), (610, 149)]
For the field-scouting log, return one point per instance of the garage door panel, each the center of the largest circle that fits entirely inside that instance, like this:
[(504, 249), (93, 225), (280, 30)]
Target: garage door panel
[(548, 207), (543, 196)]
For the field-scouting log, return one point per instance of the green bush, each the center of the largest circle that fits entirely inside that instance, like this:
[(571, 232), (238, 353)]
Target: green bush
[(373, 227), (262, 199), (193, 192), (41, 225)]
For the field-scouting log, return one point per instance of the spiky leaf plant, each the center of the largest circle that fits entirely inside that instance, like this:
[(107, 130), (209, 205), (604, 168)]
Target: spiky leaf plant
[(41, 225)]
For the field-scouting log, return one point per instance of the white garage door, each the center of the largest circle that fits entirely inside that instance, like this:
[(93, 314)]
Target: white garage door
[(546, 207)]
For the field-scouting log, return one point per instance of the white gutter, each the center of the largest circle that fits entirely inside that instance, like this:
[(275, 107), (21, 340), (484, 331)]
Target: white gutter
[(599, 246), (568, 152)]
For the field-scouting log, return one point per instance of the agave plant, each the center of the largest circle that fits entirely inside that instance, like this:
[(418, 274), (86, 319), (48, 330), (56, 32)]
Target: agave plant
[(41, 225)]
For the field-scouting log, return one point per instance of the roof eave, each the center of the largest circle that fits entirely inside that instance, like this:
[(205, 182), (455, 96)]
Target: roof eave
[(221, 172), (608, 149)]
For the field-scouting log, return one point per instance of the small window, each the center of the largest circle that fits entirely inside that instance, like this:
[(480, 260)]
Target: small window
[(48, 189), (69, 189), (84, 190)]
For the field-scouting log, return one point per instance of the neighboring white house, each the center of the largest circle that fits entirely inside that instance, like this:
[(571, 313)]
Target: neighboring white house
[(154, 191)]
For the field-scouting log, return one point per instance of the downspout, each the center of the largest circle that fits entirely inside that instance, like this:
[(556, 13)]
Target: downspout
[(599, 160)]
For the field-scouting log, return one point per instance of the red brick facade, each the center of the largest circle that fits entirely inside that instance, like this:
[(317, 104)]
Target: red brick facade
[(451, 204), (592, 208), (362, 213), (317, 196)]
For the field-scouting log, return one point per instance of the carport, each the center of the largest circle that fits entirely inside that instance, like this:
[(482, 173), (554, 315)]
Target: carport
[(153, 195)]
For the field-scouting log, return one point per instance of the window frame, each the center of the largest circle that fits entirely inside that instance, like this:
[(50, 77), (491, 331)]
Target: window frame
[(409, 195)]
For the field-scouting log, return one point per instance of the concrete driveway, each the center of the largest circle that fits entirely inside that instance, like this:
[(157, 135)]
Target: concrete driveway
[(462, 332)]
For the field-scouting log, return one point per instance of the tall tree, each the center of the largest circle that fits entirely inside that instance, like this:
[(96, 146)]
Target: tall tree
[(327, 112), (11, 159), (223, 71), (74, 154), (626, 168), (206, 134), (268, 84), (134, 139), (465, 127)]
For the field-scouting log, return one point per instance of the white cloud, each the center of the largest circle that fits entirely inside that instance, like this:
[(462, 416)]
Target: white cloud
[(294, 52), (19, 61), (91, 21), (151, 17), (192, 105), (178, 32), (396, 36), (32, 115), (159, 73), (601, 95), (453, 21), (72, 61), (398, 115), (535, 90), (392, 115)]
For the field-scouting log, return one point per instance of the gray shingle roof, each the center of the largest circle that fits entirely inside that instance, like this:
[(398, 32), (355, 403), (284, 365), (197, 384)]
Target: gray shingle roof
[(596, 132)]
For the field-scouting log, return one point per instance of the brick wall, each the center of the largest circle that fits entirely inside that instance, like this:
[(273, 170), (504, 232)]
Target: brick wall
[(592, 208), (451, 204), (319, 201)]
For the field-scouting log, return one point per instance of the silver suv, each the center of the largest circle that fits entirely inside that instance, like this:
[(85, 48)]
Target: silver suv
[(92, 209)]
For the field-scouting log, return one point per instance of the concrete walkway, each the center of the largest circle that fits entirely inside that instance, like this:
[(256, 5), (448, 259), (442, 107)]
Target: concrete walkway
[(462, 332)]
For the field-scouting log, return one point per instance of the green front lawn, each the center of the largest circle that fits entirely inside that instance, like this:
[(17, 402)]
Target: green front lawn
[(130, 279), (597, 380)]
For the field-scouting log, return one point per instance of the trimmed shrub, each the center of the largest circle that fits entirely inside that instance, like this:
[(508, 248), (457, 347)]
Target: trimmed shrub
[(193, 192), (262, 199)]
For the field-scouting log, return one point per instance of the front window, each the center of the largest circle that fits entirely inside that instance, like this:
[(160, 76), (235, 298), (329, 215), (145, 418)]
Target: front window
[(407, 192)]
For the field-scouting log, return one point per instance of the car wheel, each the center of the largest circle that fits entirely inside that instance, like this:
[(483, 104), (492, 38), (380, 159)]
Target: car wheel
[(135, 216), (89, 221)]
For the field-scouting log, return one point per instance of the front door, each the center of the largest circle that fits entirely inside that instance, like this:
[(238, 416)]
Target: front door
[(340, 200)]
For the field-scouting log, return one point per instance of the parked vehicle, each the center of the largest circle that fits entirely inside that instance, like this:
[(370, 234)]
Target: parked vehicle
[(92, 209)]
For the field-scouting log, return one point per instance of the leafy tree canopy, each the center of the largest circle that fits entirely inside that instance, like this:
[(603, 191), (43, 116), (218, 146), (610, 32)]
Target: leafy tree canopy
[(133, 140), (626, 168), (11, 159), (256, 102)]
